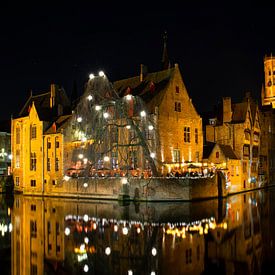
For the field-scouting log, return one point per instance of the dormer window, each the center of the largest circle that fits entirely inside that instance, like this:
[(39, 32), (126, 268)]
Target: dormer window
[(177, 89)]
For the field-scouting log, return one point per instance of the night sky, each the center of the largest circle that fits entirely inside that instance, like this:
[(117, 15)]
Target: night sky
[(219, 50)]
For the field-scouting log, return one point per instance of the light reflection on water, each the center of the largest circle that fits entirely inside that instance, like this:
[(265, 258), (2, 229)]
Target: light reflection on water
[(67, 236)]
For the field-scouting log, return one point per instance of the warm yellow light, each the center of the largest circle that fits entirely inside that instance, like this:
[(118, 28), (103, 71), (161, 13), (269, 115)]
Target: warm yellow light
[(142, 113), (152, 155), (106, 158), (101, 73)]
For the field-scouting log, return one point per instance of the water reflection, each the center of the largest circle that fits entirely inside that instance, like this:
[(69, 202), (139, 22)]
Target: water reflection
[(66, 236)]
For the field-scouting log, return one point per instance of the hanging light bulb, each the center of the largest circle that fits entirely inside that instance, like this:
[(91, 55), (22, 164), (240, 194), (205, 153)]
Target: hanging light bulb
[(97, 107), (142, 113), (152, 155), (79, 119), (128, 97), (105, 115), (91, 76), (150, 127), (101, 73), (80, 156), (89, 97), (128, 127), (106, 158)]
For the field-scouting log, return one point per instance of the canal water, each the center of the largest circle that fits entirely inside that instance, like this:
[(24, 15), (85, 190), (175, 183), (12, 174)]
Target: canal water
[(67, 236)]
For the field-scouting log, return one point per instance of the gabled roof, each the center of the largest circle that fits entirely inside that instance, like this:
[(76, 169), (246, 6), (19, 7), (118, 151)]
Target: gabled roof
[(42, 104), (207, 149), (151, 86), (227, 151), (58, 125), (239, 112)]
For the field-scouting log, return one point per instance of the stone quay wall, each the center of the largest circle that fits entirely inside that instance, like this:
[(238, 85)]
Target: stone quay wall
[(151, 189)]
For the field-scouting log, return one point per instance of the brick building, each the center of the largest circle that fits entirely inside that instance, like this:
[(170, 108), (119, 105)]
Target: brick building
[(178, 123), (237, 125), (37, 156)]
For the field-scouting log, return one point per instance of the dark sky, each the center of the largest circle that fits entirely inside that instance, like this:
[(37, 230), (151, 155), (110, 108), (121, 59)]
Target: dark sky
[(219, 49)]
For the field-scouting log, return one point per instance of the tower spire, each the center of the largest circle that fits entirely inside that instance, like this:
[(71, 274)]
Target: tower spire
[(165, 59)]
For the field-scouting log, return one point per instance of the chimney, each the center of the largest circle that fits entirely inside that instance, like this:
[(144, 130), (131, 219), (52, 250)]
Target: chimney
[(52, 99), (227, 111), (143, 72)]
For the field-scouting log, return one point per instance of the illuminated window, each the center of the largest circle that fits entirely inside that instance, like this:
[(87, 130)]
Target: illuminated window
[(186, 134)]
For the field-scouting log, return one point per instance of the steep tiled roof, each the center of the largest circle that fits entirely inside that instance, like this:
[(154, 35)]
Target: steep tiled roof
[(152, 85), (58, 125), (42, 104), (239, 112), (228, 151), (207, 149)]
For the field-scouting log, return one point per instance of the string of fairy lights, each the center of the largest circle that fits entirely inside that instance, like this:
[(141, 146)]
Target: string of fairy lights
[(87, 224), (110, 132)]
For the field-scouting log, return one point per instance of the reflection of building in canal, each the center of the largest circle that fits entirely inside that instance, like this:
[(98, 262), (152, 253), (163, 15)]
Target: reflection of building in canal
[(71, 237), (240, 247)]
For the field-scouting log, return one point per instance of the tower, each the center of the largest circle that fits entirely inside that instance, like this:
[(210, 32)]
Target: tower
[(165, 59), (268, 92)]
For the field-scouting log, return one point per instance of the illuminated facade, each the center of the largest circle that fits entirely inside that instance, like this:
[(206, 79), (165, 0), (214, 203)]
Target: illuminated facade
[(268, 90), (36, 146), (224, 158), (267, 116), (238, 126), (178, 123)]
